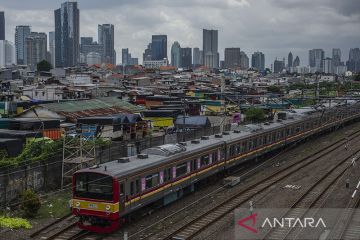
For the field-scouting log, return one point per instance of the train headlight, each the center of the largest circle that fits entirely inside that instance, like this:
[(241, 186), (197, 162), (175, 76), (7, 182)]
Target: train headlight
[(77, 204), (107, 207)]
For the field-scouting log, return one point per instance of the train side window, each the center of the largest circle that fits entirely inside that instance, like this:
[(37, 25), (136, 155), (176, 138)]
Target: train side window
[(204, 160), (151, 180), (214, 157), (181, 169), (264, 140), (193, 165), (243, 147), (273, 137), (254, 142), (232, 150), (137, 185), (250, 145), (131, 188), (167, 174)]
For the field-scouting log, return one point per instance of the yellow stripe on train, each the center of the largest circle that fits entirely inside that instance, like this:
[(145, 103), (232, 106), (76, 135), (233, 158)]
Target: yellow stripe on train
[(95, 206)]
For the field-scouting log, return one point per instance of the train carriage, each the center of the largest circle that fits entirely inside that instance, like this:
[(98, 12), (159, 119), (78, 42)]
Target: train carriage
[(105, 194)]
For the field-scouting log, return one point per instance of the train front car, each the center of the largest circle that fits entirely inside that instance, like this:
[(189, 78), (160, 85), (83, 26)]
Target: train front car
[(96, 201)]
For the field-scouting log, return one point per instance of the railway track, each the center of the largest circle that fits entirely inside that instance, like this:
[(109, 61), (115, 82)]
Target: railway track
[(193, 227), (348, 224), (311, 198)]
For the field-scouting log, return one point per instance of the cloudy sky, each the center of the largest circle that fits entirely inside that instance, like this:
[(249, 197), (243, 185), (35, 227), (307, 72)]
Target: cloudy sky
[(274, 27)]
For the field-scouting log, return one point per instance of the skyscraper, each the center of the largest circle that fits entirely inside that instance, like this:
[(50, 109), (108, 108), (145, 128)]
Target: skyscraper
[(176, 55), (244, 60), (296, 62), (88, 46), (2, 26), (7, 53), (210, 48), (316, 57), (106, 38), (125, 58), (36, 49), (21, 33), (336, 56), (232, 57), (290, 60), (354, 60), (159, 47), (196, 57), (52, 47), (147, 53), (186, 58), (328, 66), (67, 30), (258, 61), (278, 66)]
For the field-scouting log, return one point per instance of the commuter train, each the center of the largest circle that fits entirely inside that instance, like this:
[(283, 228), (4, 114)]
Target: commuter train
[(105, 194)]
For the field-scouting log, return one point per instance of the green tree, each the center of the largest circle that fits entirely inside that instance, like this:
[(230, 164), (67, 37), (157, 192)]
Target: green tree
[(30, 203), (357, 77), (44, 66), (274, 89), (255, 114)]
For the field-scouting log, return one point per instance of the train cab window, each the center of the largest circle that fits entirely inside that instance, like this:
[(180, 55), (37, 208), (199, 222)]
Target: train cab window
[(181, 169), (94, 186), (204, 160), (151, 180)]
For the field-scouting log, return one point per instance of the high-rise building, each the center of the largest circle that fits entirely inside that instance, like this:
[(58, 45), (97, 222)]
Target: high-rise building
[(278, 66), (86, 40), (106, 38), (186, 58), (176, 55), (21, 33), (328, 66), (201, 57), (290, 60), (210, 48), (7, 53), (196, 57), (36, 49), (296, 62), (125, 57), (67, 35), (159, 47), (232, 57), (353, 64), (244, 60), (336, 56), (89, 46), (52, 48), (2, 26), (258, 61), (316, 57), (147, 53)]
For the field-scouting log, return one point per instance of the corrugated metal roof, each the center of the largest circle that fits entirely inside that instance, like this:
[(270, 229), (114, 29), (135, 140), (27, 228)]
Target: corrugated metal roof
[(73, 110)]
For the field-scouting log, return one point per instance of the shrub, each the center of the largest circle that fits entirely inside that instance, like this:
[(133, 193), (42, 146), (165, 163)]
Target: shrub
[(14, 223), (255, 114), (30, 203)]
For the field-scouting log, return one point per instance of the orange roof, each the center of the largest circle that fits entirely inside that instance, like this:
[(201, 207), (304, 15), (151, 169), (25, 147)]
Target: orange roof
[(167, 68)]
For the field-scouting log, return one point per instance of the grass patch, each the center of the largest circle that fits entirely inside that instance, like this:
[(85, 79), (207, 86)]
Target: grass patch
[(14, 223), (55, 205)]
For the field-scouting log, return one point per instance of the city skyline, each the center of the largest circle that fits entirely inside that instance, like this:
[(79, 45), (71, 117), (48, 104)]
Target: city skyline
[(288, 31)]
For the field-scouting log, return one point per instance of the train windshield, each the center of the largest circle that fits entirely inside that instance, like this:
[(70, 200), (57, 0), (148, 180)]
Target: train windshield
[(94, 186)]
